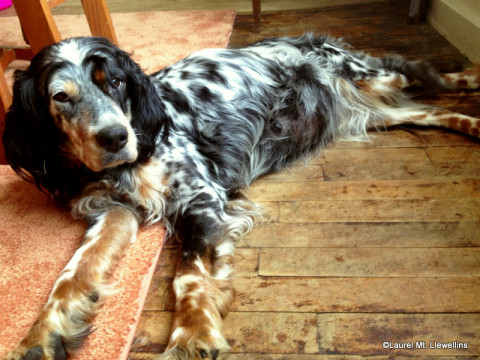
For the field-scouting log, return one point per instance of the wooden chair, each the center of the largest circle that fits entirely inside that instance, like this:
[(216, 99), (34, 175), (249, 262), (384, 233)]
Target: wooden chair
[(256, 9), (39, 30)]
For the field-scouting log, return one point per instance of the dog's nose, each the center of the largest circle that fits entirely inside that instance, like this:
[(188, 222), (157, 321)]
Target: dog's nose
[(113, 138)]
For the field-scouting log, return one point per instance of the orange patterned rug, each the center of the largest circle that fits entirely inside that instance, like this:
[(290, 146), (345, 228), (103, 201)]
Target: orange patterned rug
[(37, 239)]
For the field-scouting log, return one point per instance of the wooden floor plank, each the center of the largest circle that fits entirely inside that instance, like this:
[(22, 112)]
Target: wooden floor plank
[(286, 333), (300, 173), (366, 333), (380, 211), (358, 190), (371, 262), (400, 171), (405, 137), (398, 234), (376, 155), (246, 262), (437, 137), (378, 139), (133, 355), (152, 332), (160, 294), (457, 153), (259, 356), (270, 209), (339, 295), (338, 333), (167, 263), (336, 294)]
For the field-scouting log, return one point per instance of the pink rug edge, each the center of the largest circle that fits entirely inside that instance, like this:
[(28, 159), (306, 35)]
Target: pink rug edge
[(142, 297)]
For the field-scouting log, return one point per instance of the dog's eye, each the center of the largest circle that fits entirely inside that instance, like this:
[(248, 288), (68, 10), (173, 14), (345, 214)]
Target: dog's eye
[(117, 83), (277, 127), (61, 97)]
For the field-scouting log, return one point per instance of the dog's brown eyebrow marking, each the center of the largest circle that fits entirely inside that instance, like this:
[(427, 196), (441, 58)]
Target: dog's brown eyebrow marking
[(99, 76), (71, 88)]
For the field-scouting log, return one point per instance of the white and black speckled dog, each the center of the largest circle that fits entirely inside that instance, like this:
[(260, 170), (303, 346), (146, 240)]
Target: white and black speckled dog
[(89, 127)]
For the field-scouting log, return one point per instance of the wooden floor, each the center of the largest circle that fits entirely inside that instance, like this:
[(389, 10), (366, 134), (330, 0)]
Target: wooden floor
[(369, 242)]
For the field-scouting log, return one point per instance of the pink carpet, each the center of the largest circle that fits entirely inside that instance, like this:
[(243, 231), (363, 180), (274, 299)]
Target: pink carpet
[(156, 39), (37, 239)]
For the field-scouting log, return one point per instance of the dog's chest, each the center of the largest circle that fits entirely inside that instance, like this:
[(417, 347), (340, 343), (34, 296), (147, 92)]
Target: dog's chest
[(150, 190)]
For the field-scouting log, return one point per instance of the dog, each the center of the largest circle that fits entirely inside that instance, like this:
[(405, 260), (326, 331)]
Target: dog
[(89, 127)]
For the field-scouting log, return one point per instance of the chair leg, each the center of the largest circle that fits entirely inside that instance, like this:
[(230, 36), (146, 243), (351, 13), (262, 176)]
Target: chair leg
[(256, 15), (99, 19), (40, 29), (5, 102)]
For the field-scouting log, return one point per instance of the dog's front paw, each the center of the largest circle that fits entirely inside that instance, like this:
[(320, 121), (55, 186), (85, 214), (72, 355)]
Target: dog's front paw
[(180, 353), (39, 346), (45, 340), (208, 348), (197, 330)]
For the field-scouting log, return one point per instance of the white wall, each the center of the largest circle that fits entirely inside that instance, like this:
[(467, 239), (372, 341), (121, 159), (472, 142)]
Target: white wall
[(459, 22)]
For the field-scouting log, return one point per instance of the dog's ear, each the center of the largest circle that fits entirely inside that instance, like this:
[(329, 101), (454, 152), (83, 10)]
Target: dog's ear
[(148, 117), (31, 139), (24, 145)]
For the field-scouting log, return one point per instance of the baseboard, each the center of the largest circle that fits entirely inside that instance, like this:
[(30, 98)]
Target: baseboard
[(459, 22)]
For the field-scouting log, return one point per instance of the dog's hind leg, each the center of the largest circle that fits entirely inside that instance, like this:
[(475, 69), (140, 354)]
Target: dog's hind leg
[(434, 117), (396, 109), (78, 293), (421, 73), (464, 80)]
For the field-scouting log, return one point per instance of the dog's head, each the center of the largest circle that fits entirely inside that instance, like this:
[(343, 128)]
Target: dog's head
[(82, 103)]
